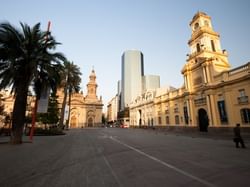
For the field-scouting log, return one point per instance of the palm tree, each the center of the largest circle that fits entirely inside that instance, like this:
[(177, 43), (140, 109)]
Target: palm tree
[(26, 58), (71, 81)]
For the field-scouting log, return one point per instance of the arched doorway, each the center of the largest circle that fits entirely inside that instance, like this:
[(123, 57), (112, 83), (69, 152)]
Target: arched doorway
[(139, 117), (90, 118), (203, 120), (90, 122), (73, 122)]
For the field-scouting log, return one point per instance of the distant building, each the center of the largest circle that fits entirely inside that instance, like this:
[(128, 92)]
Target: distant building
[(150, 82), (131, 79), (112, 110), (85, 111), (142, 109)]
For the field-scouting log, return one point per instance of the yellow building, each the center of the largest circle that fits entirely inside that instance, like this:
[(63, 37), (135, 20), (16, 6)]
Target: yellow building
[(213, 95), (85, 111)]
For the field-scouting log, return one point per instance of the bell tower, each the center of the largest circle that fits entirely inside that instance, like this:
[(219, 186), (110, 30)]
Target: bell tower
[(206, 58), (91, 87)]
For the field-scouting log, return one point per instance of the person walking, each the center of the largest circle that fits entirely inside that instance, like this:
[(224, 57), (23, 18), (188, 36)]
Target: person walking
[(237, 137)]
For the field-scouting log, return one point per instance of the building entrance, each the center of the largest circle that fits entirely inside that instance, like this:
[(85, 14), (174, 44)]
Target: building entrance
[(90, 122), (139, 117), (73, 122), (203, 120)]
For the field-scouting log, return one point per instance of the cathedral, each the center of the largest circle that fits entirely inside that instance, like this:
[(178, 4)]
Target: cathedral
[(85, 111)]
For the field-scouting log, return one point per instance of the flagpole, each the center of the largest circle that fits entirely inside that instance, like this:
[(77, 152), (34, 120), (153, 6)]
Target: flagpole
[(36, 100)]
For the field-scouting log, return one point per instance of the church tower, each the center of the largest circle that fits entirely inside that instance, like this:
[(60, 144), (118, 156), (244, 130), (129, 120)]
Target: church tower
[(86, 111), (206, 58), (91, 87), (92, 105)]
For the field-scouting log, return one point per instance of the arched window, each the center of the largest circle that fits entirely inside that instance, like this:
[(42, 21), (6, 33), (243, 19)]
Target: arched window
[(177, 120), (198, 47), (245, 115), (167, 120), (159, 120), (196, 26)]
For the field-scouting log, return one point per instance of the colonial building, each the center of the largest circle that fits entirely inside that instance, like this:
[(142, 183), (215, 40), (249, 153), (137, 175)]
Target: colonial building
[(86, 111), (213, 95), (142, 109), (7, 103)]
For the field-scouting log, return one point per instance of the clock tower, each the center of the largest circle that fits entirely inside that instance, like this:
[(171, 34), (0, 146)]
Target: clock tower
[(206, 58)]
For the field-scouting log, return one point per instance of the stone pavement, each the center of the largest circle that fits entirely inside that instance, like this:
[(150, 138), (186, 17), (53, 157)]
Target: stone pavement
[(124, 157), (212, 133)]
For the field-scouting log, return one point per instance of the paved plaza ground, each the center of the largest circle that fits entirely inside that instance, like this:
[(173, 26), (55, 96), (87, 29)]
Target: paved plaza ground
[(125, 157)]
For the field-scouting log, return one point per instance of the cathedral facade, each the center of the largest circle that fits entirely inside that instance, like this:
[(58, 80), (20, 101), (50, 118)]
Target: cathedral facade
[(85, 111)]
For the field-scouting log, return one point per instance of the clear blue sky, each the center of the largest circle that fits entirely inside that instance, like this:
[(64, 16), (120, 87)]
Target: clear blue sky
[(97, 32)]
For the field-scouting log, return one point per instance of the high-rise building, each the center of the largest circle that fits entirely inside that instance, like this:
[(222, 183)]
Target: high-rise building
[(150, 82), (131, 79)]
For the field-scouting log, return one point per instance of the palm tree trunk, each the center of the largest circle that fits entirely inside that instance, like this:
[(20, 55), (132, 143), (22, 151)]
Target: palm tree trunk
[(18, 116), (67, 122), (63, 107)]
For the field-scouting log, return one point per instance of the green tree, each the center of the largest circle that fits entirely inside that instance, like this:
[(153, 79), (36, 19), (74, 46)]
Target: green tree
[(26, 58), (71, 80)]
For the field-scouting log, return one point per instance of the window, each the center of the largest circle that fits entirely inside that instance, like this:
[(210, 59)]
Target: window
[(213, 46), (185, 114), (243, 98), (198, 48), (242, 92), (159, 120), (177, 120), (196, 26), (176, 109), (167, 119), (166, 111), (245, 115), (222, 111)]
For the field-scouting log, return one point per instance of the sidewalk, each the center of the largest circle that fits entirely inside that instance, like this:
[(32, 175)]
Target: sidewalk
[(6, 139), (195, 133)]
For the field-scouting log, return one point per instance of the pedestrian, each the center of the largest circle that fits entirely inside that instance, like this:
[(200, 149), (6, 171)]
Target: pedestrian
[(237, 137)]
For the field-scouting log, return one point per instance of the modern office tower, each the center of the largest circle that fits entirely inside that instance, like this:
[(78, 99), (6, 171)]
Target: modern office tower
[(150, 82), (131, 80), (119, 90)]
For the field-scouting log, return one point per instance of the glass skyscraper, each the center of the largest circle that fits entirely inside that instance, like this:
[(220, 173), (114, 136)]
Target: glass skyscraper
[(132, 73)]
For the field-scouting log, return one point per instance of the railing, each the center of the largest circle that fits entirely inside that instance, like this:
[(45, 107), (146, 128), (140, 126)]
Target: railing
[(240, 69)]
